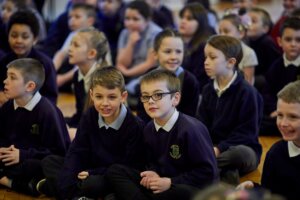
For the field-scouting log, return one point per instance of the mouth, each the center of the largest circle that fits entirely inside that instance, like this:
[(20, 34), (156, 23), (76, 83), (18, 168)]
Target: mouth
[(105, 111)]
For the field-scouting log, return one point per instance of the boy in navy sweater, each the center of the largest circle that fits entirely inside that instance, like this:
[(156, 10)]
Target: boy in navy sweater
[(31, 126), (231, 109), (284, 70), (108, 133), (180, 157)]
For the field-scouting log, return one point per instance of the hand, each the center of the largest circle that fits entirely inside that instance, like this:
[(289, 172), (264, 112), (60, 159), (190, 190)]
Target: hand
[(83, 175), (158, 185), (3, 98), (273, 114), (245, 185), (134, 37), (10, 156), (146, 176), (217, 151)]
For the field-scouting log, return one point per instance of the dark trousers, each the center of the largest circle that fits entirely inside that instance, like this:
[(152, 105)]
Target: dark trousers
[(126, 186), (237, 160), (93, 186)]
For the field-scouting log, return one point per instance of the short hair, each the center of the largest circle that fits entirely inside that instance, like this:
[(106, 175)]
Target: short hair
[(290, 22), (89, 10), (142, 7), (290, 93), (164, 34), (19, 4), (229, 46), (173, 82), (30, 69), (98, 41), (236, 20), (266, 18), (108, 77), (27, 18)]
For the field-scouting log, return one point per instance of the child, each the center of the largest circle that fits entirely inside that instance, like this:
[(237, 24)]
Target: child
[(31, 127), (108, 133), (232, 25), (178, 148), (23, 32), (231, 109), (135, 45), (88, 50), (262, 43), (169, 51), (80, 16), (195, 30), (283, 71), (282, 161)]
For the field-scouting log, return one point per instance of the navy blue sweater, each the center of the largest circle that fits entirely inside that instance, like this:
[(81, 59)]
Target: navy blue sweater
[(185, 154), (94, 149), (277, 77), (232, 119), (281, 174), (49, 89), (36, 133)]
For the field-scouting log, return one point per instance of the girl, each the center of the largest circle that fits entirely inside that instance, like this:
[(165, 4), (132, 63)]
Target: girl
[(232, 25), (88, 50), (169, 51), (231, 109), (195, 30)]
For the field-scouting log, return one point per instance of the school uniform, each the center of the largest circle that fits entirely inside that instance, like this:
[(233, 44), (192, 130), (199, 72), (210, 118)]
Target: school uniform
[(232, 116), (49, 89), (37, 130), (281, 174), (96, 147), (180, 150)]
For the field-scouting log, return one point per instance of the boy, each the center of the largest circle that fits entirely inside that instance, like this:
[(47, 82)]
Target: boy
[(283, 71), (31, 127), (262, 43), (282, 161), (231, 109), (108, 133), (23, 31), (178, 148)]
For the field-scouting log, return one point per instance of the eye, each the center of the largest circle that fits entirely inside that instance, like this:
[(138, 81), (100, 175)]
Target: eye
[(112, 97), (157, 95)]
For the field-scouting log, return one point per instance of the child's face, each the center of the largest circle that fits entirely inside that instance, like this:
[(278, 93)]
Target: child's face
[(188, 25), (242, 4), (216, 64), (170, 53), (109, 7), (14, 85), (256, 28), (107, 102), (288, 121), (160, 110), (290, 5), (7, 9), (134, 21), (227, 28), (21, 39), (79, 51), (78, 19), (290, 43)]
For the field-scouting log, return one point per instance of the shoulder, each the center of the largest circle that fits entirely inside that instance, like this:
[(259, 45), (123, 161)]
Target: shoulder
[(40, 55), (278, 148), (186, 122), (189, 77)]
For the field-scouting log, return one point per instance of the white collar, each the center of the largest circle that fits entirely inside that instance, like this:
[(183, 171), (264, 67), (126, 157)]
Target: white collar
[(293, 149), (87, 78), (221, 91), (170, 123), (287, 62), (31, 104)]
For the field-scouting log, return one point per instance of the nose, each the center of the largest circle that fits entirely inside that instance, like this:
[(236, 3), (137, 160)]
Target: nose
[(284, 122)]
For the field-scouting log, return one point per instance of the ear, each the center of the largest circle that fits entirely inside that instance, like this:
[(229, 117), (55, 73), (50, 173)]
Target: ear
[(92, 53), (279, 41), (124, 96), (91, 95), (231, 62), (155, 54), (176, 98), (30, 86), (91, 21), (35, 40)]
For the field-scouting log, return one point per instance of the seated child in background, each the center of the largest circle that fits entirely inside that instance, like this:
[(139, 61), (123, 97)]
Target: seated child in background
[(261, 42), (284, 70), (232, 25), (169, 51), (31, 127), (80, 16), (88, 50), (23, 31), (108, 134), (179, 152), (231, 109), (281, 173)]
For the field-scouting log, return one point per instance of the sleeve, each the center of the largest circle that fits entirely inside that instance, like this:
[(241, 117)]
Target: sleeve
[(249, 58), (122, 41), (269, 174)]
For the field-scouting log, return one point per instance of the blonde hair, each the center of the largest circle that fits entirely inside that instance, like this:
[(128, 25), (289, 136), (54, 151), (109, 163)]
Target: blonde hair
[(290, 93)]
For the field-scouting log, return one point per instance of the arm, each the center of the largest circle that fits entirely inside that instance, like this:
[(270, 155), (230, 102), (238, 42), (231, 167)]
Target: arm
[(249, 74)]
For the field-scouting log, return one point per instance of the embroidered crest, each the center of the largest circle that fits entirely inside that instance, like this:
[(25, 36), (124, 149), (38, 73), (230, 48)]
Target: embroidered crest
[(175, 153), (35, 129)]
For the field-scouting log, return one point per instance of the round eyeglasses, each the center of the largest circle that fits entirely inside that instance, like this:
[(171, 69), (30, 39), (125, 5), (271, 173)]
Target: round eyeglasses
[(155, 97)]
